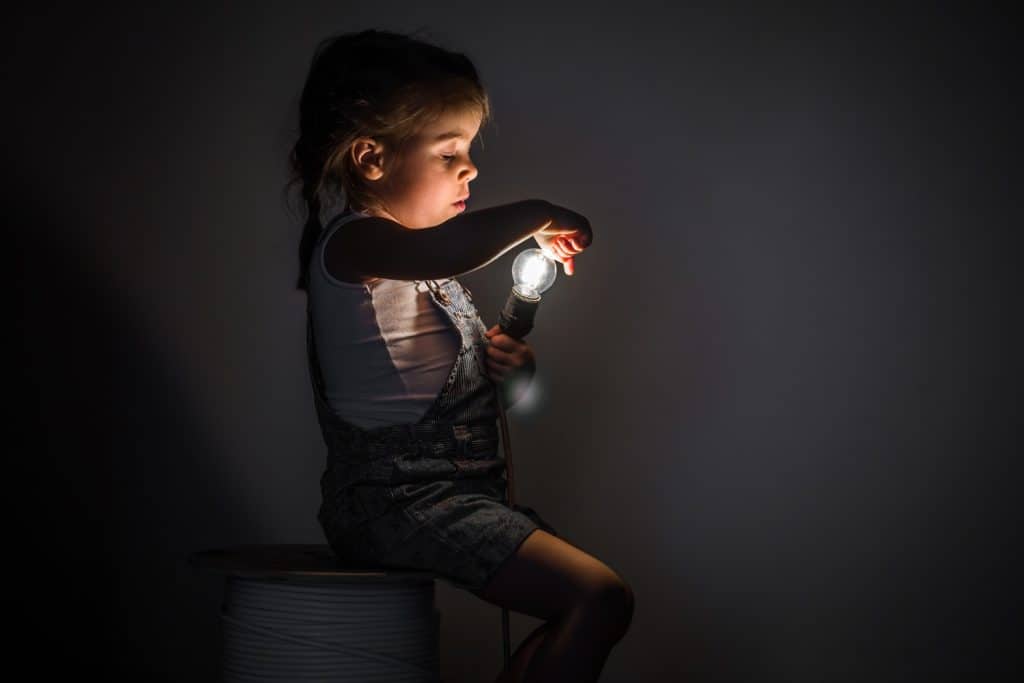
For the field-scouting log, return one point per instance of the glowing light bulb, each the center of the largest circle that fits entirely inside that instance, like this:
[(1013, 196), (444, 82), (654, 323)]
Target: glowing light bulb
[(533, 272)]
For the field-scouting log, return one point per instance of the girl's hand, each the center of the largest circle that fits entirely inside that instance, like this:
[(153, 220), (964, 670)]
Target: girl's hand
[(568, 234), (510, 359)]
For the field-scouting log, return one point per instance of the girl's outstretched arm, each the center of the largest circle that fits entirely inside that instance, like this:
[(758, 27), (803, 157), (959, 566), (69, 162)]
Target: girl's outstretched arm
[(372, 247)]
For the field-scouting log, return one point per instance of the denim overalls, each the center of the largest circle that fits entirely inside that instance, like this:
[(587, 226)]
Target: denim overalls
[(431, 494)]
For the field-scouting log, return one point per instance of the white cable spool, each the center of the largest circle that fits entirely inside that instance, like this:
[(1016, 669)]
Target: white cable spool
[(294, 613)]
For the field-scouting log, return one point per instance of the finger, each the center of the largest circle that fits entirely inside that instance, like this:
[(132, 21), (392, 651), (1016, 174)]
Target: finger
[(496, 355), (499, 364), (507, 343), (510, 361), (499, 348), (569, 267)]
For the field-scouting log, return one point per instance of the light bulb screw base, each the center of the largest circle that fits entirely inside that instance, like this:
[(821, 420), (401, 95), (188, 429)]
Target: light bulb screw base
[(516, 319)]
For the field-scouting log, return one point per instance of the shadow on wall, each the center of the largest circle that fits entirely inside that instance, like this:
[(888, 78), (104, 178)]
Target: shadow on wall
[(111, 487)]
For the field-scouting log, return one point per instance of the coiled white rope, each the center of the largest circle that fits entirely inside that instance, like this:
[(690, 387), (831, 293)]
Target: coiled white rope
[(343, 632)]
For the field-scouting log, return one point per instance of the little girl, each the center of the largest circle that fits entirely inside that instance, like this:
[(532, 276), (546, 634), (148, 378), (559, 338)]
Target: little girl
[(406, 377)]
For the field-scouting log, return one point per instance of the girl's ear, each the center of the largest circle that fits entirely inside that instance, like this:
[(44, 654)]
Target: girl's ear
[(367, 155)]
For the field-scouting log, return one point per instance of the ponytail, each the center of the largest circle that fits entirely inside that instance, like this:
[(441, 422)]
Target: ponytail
[(310, 234)]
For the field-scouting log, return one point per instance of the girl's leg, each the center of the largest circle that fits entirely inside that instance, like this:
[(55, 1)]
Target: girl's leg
[(587, 605), (521, 657)]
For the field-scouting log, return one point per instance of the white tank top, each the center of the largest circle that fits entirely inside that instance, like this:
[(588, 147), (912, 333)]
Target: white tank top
[(385, 348)]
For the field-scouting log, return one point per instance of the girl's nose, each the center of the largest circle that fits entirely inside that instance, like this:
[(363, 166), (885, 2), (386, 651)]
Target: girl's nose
[(469, 172)]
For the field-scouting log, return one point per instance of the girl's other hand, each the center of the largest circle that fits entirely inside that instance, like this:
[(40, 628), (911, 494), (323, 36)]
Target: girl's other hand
[(508, 357), (566, 235)]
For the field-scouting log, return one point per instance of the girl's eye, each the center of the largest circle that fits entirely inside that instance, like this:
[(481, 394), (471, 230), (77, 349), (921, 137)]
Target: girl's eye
[(447, 157)]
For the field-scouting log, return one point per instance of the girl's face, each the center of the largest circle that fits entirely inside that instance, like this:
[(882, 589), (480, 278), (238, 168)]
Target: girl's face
[(422, 188)]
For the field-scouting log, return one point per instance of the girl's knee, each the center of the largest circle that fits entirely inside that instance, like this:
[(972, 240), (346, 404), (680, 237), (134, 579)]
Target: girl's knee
[(613, 596), (628, 599)]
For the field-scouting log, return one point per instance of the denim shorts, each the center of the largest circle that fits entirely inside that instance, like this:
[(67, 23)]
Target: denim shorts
[(459, 529)]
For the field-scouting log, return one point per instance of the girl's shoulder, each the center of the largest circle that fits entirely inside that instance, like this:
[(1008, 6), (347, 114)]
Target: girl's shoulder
[(331, 266), (334, 222), (337, 222)]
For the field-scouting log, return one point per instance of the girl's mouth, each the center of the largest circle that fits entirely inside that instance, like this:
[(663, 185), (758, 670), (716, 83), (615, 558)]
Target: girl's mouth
[(461, 205)]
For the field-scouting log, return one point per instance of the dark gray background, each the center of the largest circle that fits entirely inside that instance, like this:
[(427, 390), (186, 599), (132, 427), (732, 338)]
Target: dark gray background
[(778, 396)]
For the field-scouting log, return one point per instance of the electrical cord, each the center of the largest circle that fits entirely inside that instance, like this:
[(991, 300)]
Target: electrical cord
[(510, 499)]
